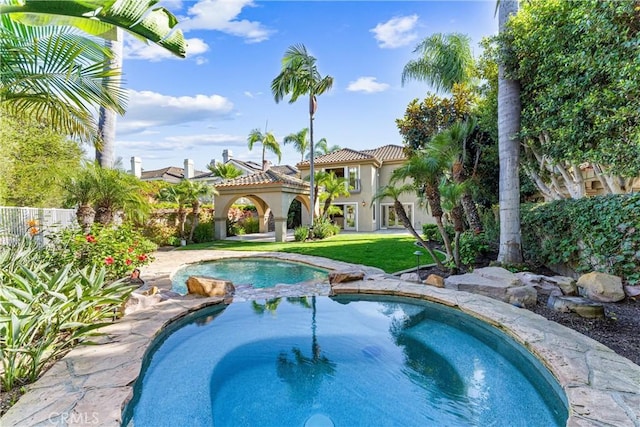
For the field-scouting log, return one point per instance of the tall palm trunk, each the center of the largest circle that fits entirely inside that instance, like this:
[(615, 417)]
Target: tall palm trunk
[(459, 176), (509, 153), (404, 218), (313, 191), (196, 218), (182, 218), (458, 225), (104, 214), (85, 215), (433, 198), (105, 151)]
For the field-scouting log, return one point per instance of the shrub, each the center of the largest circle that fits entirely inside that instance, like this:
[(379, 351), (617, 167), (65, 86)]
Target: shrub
[(301, 233), (160, 234), (251, 225), (119, 249), (596, 233), (323, 228), (431, 232), (472, 246), (43, 312), (203, 232)]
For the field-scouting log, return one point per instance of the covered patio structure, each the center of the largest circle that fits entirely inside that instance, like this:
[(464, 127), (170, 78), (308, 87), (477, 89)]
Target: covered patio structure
[(270, 192)]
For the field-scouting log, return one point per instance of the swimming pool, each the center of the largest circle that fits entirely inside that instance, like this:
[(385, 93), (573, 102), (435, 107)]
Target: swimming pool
[(258, 272), (323, 361)]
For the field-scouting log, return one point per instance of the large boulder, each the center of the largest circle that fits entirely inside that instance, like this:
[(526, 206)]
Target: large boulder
[(343, 276), (566, 284), (210, 287), (492, 282), (522, 296), (601, 287), (410, 277)]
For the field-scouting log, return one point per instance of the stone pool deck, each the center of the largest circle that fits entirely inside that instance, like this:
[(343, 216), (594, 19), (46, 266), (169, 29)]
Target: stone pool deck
[(92, 384)]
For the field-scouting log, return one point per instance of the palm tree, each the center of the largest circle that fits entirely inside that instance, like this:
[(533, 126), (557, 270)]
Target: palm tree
[(35, 64), (225, 170), (268, 140), (452, 194), (173, 194), (322, 148), (193, 191), (445, 59), (80, 192), (426, 170), (334, 187), (509, 152), (300, 76), (101, 17), (453, 145), (394, 193), (115, 191), (299, 141)]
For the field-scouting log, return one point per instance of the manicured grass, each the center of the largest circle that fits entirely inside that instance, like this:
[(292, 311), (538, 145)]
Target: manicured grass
[(389, 252)]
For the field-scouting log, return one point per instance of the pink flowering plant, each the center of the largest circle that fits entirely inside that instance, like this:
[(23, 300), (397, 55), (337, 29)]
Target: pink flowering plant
[(119, 249)]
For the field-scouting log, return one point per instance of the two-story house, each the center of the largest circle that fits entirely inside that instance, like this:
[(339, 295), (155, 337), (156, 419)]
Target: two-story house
[(368, 171)]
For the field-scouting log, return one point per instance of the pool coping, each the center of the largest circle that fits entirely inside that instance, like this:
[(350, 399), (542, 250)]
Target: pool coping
[(92, 384)]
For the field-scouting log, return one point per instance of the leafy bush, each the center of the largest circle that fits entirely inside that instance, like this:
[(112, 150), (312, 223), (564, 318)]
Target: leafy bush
[(596, 233), (301, 233), (203, 232), (160, 234), (251, 225), (323, 228), (119, 249), (472, 246), (43, 312), (431, 232)]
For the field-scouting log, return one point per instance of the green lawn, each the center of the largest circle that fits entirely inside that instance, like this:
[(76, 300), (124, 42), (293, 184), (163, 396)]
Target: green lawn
[(389, 252)]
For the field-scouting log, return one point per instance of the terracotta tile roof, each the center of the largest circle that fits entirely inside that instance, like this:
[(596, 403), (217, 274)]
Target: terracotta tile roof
[(380, 154), (285, 169), (263, 178), (387, 152), (339, 156)]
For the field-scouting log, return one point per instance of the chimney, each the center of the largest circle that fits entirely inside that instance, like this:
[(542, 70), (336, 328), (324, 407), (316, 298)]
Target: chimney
[(136, 167), (266, 165), (226, 155), (188, 168)]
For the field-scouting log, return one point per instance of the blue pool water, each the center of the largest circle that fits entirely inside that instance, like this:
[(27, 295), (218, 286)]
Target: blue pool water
[(258, 272), (341, 362)]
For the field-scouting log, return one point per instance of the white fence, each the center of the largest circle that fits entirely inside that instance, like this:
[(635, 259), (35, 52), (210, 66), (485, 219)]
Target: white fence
[(15, 223)]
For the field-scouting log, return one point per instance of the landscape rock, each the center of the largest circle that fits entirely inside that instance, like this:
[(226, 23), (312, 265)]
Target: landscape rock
[(410, 277), (434, 280), (566, 284), (522, 296), (342, 276), (632, 291), (209, 287), (500, 274), (536, 280), (581, 306), (139, 301), (474, 283), (601, 287)]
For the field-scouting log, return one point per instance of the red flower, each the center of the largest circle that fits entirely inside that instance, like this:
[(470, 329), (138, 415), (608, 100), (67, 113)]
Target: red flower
[(130, 250), (128, 262), (90, 238), (142, 257), (108, 260)]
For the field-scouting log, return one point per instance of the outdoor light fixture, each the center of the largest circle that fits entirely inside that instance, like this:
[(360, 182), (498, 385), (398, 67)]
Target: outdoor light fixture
[(417, 254), (364, 203)]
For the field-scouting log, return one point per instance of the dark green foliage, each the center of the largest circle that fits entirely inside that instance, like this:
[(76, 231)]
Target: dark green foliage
[(301, 233), (472, 247), (432, 233), (599, 233), (203, 232), (323, 228)]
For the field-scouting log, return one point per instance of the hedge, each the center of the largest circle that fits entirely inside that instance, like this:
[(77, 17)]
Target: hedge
[(597, 233)]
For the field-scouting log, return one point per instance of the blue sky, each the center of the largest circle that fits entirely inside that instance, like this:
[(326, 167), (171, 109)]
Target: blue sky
[(210, 101)]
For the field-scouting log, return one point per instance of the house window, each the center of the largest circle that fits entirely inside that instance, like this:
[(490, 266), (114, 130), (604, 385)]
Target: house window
[(352, 175), (389, 219)]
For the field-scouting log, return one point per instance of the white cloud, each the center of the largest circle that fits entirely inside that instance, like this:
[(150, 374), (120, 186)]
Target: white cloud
[(367, 85), (222, 15), (148, 109), (249, 94), (396, 32), (183, 142), (136, 49)]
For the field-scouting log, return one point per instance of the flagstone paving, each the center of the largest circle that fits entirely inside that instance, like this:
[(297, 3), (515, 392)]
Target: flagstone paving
[(92, 384)]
